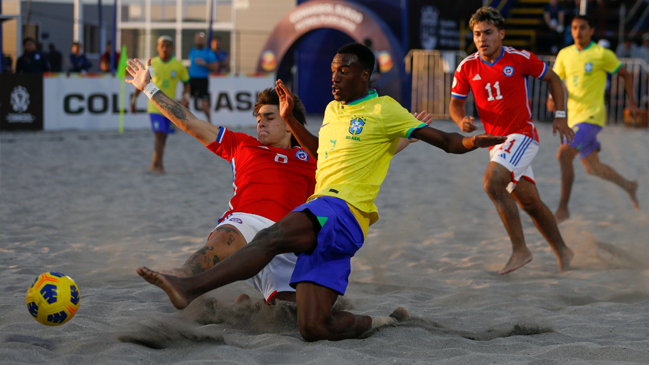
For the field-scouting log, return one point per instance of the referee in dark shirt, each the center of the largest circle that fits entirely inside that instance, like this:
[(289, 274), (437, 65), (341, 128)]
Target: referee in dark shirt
[(32, 61)]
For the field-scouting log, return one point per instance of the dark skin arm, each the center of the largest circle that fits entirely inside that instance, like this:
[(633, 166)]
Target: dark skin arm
[(308, 141), (455, 142)]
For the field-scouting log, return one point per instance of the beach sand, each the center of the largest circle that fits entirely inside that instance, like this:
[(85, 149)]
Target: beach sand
[(86, 204)]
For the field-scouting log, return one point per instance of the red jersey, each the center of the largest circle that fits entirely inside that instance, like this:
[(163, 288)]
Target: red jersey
[(500, 90), (267, 181)]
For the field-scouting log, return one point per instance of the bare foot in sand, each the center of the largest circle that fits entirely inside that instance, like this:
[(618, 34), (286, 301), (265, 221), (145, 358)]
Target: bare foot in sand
[(516, 261), (400, 314), (169, 284), (243, 299), (561, 215), (565, 258), (179, 273), (632, 194)]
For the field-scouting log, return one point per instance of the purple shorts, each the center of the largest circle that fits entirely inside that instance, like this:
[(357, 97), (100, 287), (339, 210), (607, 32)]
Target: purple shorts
[(160, 123), (585, 139)]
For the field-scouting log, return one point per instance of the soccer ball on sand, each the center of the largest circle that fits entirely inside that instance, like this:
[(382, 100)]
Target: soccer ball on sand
[(53, 298)]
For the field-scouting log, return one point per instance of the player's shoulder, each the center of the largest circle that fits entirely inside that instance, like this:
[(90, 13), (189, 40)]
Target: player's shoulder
[(518, 54), (467, 61)]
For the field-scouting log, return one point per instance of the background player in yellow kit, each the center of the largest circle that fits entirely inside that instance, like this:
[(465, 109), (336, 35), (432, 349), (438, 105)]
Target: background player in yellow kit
[(358, 138), (583, 67), (168, 71)]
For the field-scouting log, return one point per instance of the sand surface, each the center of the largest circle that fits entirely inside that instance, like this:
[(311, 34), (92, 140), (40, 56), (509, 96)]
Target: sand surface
[(85, 204)]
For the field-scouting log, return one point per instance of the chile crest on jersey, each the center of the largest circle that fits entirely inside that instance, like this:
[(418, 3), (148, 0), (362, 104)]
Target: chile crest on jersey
[(508, 70)]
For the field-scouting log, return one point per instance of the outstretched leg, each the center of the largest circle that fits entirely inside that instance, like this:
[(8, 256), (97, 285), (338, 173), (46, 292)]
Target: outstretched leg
[(205, 105), (529, 200), (293, 233), (158, 152), (596, 168), (222, 242), (565, 155), (317, 321), (495, 181)]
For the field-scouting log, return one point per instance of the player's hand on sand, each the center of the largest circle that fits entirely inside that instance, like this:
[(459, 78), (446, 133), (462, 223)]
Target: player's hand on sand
[(286, 101), (487, 140), (424, 118), (141, 76), (565, 133), (467, 124)]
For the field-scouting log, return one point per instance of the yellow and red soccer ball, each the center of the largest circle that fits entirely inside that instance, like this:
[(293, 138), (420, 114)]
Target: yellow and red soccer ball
[(53, 298)]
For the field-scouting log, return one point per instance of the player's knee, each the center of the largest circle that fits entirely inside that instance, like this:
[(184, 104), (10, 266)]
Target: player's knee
[(492, 187), (530, 207)]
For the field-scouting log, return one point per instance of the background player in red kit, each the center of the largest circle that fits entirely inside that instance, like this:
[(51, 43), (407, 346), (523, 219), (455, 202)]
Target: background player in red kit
[(497, 76)]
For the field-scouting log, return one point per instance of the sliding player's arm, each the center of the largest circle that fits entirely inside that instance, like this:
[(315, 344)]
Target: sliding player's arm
[(178, 114), (560, 123), (455, 142), (308, 141)]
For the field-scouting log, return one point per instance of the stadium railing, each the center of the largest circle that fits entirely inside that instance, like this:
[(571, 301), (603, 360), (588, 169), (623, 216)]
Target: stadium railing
[(432, 79)]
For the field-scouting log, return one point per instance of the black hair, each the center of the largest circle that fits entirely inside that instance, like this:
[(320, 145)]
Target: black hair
[(489, 15), (28, 39), (588, 20), (366, 58), (270, 97)]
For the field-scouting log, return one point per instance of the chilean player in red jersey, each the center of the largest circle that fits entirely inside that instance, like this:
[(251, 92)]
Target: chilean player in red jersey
[(497, 76)]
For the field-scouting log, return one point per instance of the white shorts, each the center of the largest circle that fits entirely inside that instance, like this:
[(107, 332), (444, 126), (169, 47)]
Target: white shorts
[(275, 277), (516, 155)]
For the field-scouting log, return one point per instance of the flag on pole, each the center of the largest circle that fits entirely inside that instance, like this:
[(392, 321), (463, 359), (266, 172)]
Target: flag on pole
[(121, 75)]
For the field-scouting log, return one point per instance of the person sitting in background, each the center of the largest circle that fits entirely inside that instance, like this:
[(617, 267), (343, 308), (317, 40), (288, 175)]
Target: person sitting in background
[(78, 60), (222, 56), (32, 61), (643, 50), (553, 14), (104, 63), (7, 64), (55, 58), (626, 49)]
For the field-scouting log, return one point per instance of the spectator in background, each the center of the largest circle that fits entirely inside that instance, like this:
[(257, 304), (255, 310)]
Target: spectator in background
[(55, 58), (78, 60), (202, 62), (553, 14), (627, 49), (643, 50), (7, 64), (376, 73), (32, 61), (104, 63), (222, 56)]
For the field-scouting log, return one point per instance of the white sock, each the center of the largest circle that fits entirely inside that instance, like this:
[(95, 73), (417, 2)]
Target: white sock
[(382, 321)]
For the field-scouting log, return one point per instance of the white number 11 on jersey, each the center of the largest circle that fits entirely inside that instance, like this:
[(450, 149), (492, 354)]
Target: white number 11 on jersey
[(497, 87)]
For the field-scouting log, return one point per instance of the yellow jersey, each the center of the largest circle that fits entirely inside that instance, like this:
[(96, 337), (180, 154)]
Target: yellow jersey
[(356, 143), (585, 75), (166, 76)]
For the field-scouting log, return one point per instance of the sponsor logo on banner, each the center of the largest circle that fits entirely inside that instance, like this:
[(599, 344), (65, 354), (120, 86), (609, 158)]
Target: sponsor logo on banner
[(428, 27), (19, 104), (325, 15), (268, 60), (385, 61)]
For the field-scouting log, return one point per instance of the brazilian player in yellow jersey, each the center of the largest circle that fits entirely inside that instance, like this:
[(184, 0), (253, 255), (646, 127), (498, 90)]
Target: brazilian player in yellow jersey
[(583, 67), (168, 71), (359, 135)]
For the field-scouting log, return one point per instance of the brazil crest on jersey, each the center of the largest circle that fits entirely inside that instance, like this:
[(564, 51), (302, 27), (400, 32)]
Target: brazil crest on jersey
[(500, 90), (166, 77), (585, 75), (356, 143), (267, 181)]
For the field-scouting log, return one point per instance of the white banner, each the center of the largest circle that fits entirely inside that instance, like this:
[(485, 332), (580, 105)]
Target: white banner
[(92, 103)]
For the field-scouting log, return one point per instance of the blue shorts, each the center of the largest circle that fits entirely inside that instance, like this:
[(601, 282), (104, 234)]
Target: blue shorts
[(585, 139), (160, 123), (340, 236)]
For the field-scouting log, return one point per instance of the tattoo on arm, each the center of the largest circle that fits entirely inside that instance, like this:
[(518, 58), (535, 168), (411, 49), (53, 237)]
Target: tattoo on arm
[(215, 260), (227, 229), (170, 106), (230, 240)]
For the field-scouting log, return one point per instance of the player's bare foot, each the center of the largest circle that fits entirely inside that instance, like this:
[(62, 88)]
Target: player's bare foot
[(179, 273), (561, 215), (516, 261), (400, 314), (565, 258), (632, 194), (243, 299), (169, 284)]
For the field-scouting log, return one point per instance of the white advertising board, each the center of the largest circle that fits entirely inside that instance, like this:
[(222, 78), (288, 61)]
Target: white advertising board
[(92, 103)]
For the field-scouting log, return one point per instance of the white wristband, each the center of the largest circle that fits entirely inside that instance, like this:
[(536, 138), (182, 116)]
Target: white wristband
[(150, 89), (560, 114)]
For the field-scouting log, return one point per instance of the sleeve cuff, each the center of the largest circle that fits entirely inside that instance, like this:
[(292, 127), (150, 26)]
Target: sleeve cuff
[(617, 69), (409, 132), (545, 70), (459, 96)]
